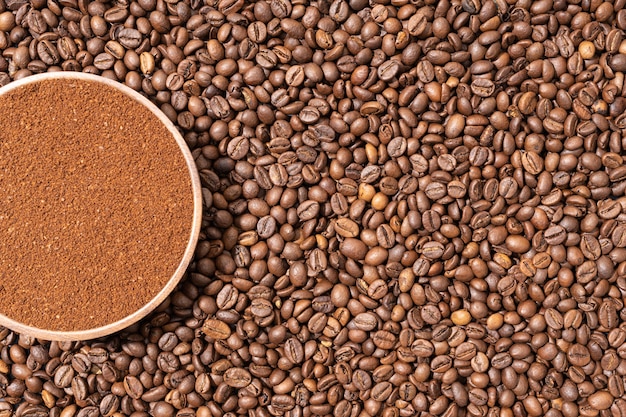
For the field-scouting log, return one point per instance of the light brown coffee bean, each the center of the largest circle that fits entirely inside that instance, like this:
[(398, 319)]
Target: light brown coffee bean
[(237, 377), (216, 329)]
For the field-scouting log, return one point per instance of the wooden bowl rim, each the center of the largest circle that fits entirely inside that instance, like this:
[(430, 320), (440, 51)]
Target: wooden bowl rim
[(87, 334)]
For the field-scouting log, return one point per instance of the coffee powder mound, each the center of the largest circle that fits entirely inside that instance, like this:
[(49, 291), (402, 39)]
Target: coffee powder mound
[(95, 205)]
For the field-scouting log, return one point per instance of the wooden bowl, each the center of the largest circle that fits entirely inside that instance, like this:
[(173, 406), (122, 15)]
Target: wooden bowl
[(194, 230)]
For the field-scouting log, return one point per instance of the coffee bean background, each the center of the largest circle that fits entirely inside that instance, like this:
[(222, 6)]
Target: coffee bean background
[(412, 208)]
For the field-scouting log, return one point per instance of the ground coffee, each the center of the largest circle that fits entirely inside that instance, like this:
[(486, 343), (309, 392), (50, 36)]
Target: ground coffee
[(95, 208)]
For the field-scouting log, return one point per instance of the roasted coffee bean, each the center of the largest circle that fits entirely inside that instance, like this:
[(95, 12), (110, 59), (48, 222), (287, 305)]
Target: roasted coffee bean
[(553, 318), (129, 38), (346, 227), (365, 321), (237, 377), (441, 364), (384, 339), (601, 400), (63, 376), (238, 148), (133, 387), (590, 247), (465, 351), (501, 360), (216, 329), (294, 351), (433, 250), (578, 355)]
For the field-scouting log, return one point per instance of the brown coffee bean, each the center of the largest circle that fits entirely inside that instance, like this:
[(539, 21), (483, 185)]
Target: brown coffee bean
[(578, 355), (465, 351), (47, 52), (261, 307), (517, 244), (430, 314), (455, 126), (237, 377), (238, 147), (422, 348), (381, 391), (618, 237), (607, 315), (553, 318), (431, 220), (129, 38), (608, 209), (294, 351), (532, 162), (216, 329), (133, 387), (397, 147), (441, 364), (361, 380), (436, 190), (508, 187), (457, 189), (601, 400), (483, 87), (501, 360), (384, 339), (353, 248), (615, 386), (590, 246), (63, 376), (433, 250), (586, 272), (103, 61), (555, 235)]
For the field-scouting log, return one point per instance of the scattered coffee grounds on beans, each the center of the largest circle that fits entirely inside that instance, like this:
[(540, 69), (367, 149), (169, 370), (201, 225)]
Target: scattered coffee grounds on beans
[(412, 208), (95, 209)]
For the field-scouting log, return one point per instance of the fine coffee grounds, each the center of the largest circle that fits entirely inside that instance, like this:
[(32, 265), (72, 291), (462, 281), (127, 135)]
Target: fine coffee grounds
[(95, 205)]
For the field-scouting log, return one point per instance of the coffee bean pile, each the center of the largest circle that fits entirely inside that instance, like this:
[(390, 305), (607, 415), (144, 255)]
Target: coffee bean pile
[(412, 208)]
